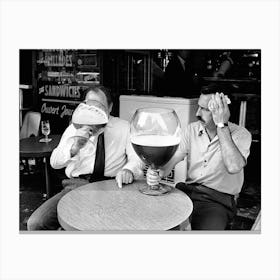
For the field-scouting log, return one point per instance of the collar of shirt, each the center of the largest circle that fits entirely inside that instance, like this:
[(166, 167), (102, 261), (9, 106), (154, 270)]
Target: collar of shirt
[(110, 124), (202, 130)]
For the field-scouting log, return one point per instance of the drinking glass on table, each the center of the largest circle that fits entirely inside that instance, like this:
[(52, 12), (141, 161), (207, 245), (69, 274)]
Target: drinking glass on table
[(155, 136), (45, 128)]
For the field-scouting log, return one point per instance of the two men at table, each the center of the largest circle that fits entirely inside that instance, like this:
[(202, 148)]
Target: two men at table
[(217, 152), (119, 161)]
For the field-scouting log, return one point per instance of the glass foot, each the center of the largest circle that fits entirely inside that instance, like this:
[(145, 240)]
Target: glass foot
[(44, 140), (163, 189)]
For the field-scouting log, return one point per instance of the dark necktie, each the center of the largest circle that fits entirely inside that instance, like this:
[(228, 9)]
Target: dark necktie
[(99, 164)]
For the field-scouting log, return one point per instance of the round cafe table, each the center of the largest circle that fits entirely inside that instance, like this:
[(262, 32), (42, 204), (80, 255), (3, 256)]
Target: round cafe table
[(31, 147), (103, 206)]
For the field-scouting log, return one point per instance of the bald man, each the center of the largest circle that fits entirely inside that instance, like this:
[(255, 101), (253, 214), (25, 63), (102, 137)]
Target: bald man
[(120, 160)]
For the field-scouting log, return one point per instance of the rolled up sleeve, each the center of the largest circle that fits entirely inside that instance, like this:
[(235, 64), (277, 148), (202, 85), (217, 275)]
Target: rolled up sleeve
[(134, 163), (60, 156)]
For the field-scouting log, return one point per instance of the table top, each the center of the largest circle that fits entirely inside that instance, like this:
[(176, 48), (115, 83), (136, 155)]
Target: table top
[(103, 206), (31, 147)]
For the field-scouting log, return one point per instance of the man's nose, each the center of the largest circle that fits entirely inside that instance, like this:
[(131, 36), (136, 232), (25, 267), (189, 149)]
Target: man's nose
[(198, 112)]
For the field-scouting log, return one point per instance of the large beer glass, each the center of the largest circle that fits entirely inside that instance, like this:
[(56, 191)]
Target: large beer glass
[(155, 137)]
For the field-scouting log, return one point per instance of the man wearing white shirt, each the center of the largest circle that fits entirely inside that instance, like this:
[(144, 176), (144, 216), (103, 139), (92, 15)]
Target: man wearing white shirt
[(120, 161), (217, 152)]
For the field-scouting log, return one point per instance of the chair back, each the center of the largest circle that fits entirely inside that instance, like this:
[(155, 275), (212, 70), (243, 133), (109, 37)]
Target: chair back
[(257, 224), (31, 124)]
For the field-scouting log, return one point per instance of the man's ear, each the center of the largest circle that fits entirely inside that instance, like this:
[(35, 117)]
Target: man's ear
[(110, 108)]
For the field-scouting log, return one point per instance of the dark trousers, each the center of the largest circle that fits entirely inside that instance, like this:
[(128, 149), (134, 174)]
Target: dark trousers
[(45, 216), (212, 210)]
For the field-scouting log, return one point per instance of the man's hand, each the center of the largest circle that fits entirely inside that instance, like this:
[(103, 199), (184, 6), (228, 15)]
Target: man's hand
[(153, 176), (218, 105), (84, 132), (124, 176)]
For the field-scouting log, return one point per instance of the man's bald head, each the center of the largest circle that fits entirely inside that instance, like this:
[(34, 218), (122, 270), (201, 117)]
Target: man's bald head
[(99, 94)]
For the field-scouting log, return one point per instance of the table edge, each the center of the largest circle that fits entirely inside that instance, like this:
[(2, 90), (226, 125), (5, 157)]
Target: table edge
[(68, 227)]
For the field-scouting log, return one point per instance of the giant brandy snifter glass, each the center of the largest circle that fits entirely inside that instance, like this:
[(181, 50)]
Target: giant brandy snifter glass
[(155, 137)]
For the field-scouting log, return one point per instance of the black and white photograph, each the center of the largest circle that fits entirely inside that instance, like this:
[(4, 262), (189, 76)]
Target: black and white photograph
[(139, 139), (163, 140)]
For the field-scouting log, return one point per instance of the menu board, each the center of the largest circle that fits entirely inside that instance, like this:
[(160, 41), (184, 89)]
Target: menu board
[(63, 76)]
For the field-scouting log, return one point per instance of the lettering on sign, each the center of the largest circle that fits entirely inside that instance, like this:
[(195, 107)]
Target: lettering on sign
[(41, 90), (66, 111), (72, 92), (49, 109), (63, 111), (56, 59)]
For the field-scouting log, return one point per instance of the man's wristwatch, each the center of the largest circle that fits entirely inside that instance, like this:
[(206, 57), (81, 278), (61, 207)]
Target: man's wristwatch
[(221, 125)]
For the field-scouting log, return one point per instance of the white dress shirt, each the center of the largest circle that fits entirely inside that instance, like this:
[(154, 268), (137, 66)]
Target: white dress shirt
[(119, 153), (204, 157)]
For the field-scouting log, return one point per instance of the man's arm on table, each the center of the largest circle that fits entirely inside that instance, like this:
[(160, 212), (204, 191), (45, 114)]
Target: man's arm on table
[(133, 169)]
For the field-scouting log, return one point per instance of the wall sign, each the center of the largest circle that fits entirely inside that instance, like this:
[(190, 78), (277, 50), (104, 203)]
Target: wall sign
[(63, 76), (58, 110), (57, 59), (65, 91)]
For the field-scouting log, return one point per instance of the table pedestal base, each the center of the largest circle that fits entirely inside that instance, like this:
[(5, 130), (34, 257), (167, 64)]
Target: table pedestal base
[(162, 189)]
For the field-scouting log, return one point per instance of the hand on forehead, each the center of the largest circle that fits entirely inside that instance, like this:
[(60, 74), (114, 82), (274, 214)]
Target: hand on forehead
[(218, 98)]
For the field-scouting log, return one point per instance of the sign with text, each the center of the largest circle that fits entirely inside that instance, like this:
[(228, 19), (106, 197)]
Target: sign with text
[(62, 91), (63, 76), (58, 112), (55, 58)]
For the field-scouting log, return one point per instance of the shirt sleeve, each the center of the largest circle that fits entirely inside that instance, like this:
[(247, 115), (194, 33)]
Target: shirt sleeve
[(134, 163), (242, 139), (60, 156), (184, 143)]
